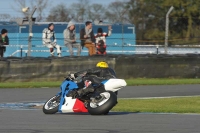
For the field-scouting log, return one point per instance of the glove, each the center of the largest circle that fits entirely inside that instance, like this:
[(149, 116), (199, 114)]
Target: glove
[(71, 76)]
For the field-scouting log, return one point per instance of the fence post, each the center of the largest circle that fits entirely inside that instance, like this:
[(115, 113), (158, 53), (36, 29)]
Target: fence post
[(167, 29), (157, 51), (30, 30), (21, 50)]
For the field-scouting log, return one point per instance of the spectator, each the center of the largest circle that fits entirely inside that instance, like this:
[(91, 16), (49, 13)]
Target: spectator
[(49, 40), (101, 40), (70, 39), (87, 38), (4, 40)]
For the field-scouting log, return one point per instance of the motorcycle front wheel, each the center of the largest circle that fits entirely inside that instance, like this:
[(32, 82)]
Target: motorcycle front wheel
[(104, 106), (52, 105)]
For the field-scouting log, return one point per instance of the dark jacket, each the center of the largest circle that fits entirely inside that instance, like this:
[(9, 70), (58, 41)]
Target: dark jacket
[(105, 73), (82, 33), (2, 43), (95, 75)]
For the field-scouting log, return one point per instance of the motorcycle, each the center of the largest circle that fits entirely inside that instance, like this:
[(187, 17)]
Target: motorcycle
[(98, 102)]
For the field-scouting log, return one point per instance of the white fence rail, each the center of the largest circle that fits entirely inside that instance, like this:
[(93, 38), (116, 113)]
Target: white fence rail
[(134, 49)]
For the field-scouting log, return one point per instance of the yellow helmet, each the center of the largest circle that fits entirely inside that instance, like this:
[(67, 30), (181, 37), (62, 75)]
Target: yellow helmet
[(102, 64)]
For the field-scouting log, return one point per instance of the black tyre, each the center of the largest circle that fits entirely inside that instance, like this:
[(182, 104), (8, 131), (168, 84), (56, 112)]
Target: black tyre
[(116, 93), (52, 105), (104, 106)]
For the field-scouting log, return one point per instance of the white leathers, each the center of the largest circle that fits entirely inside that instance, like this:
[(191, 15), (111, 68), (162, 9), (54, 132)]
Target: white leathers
[(49, 40), (48, 36), (114, 84), (103, 36)]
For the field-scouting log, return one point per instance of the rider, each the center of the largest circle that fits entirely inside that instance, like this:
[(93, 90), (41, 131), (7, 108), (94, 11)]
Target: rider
[(94, 76)]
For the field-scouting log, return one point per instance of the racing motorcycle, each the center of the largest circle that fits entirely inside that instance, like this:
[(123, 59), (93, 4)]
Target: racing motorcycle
[(98, 102)]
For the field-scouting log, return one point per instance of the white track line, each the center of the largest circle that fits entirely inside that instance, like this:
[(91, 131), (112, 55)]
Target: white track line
[(161, 97)]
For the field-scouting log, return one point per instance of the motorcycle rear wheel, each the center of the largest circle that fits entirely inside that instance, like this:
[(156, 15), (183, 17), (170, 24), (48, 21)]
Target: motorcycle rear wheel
[(104, 106), (52, 105)]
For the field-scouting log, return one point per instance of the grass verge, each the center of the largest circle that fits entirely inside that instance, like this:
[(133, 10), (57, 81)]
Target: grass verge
[(164, 105), (130, 82), (162, 81)]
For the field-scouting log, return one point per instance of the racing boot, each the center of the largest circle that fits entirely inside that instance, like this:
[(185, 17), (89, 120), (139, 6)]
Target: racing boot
[(59, 55), (86, 90), (97, 98)]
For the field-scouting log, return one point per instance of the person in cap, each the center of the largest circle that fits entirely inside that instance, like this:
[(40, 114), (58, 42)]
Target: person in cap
[(101, 40), (70, 39), (4, 40), (49, 40)]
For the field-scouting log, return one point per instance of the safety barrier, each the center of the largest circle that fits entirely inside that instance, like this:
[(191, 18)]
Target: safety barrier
[(126, 66)]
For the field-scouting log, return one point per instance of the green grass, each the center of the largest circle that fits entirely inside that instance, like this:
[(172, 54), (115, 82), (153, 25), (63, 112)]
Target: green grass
[(164, 105), (161, 81), (130, 82)]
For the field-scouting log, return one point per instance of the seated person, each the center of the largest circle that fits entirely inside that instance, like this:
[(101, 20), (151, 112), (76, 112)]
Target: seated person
[(49, 40), (70, 39), (4, 40), (101, 40), (87, 38)]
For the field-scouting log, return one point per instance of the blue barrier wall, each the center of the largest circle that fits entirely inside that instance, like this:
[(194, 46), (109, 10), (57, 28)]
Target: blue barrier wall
[(121, 41)]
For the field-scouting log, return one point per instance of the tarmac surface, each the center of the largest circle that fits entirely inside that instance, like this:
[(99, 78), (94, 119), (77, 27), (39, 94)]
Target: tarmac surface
[(24, 120)]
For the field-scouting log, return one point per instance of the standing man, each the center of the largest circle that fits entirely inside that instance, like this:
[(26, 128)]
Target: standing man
[(87, 38), (49, 40), (4, 40), (70, 39)]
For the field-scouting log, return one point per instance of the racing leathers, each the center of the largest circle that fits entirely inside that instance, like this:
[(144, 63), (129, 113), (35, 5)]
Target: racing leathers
[(94, 76), (49, 40)]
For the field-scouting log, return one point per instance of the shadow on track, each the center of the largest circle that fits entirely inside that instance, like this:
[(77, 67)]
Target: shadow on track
[(109, 114)]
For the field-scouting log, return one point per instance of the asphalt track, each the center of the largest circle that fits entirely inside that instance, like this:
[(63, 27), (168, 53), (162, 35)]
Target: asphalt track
[(34, 121)]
